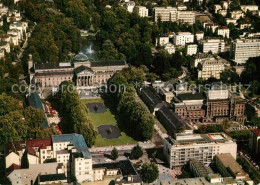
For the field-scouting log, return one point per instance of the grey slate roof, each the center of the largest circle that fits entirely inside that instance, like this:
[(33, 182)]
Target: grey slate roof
[(50, 66), (52, 177), (35, 101), (108, 63), (82, 68), (76, 139), (170, 120)]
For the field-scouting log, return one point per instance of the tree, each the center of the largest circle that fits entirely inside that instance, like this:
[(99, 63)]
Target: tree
[(8, 104), (24, 160), (136, 152), (149, 172), (114, 154)]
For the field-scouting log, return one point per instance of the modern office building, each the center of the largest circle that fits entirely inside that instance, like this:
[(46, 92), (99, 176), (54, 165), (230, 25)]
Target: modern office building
[(203, 147), (242, 49)]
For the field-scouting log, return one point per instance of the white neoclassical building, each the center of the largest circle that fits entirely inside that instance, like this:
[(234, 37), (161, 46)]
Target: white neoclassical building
[(83, 72)]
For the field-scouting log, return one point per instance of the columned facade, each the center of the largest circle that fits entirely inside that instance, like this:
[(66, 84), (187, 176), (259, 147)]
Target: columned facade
[(83, 81)]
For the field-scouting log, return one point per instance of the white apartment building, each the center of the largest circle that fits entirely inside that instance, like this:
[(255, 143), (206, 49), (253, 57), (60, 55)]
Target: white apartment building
[(15, 32), (217, 7), (245, 25), (186, 17), (202, 147), (191, 49), (243, 49), (199, 35), (225, 4), (250, 8), (162, 41), (165, 13), (129, 6), (21, 26), (236, 14), (141, 11), (75, 145), (213, 45), (172, 14), (223, 12), (170, 48), (183, 38), (223, 31), (211, 68), (233, 21)]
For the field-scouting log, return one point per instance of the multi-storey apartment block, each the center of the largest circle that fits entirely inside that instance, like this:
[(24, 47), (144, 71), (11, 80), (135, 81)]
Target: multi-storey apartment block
[(183, 38), (243, 49), (213, 45), (165, 13), (202, 147), (141, 10)]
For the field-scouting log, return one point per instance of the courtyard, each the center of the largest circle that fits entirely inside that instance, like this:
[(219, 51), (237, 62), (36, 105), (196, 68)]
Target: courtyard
[(106, 124)]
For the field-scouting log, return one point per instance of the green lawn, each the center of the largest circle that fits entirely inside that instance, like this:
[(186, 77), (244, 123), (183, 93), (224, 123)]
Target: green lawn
[(107, 118)]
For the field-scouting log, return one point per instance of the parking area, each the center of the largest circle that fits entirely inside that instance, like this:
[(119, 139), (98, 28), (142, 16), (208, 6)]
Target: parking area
[(237, 127)]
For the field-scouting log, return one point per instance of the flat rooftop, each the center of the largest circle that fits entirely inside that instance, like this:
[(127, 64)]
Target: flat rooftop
[(229, 162), (193, 139)]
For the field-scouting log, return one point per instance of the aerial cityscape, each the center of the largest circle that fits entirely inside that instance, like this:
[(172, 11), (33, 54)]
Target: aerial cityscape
[(149, 92)]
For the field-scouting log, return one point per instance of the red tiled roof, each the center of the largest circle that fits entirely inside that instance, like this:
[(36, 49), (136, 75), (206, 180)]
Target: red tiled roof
[(37, 143), (256, 132)]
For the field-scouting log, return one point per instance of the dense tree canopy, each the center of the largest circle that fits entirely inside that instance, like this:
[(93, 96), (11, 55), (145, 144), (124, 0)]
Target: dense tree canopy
[(74, 113), (17, 123), (149, 172)]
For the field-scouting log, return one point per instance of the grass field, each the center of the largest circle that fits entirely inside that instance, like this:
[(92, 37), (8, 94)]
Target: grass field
[(107, 118)]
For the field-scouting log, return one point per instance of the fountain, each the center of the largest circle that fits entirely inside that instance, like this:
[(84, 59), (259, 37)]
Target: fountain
[(89, 49)]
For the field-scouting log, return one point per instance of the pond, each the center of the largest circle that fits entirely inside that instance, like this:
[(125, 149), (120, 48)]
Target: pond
[(89, 48)]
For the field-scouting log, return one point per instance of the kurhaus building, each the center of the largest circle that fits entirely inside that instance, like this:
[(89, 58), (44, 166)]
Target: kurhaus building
[(84, 73)]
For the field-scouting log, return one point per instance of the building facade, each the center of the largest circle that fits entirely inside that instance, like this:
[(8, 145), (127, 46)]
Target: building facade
[(84, 73), (141, 11), (242, 49), (183, 38), (191, 49), (214, 106), (211, 68), (202, 147), (213, 45), (223, 31)]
